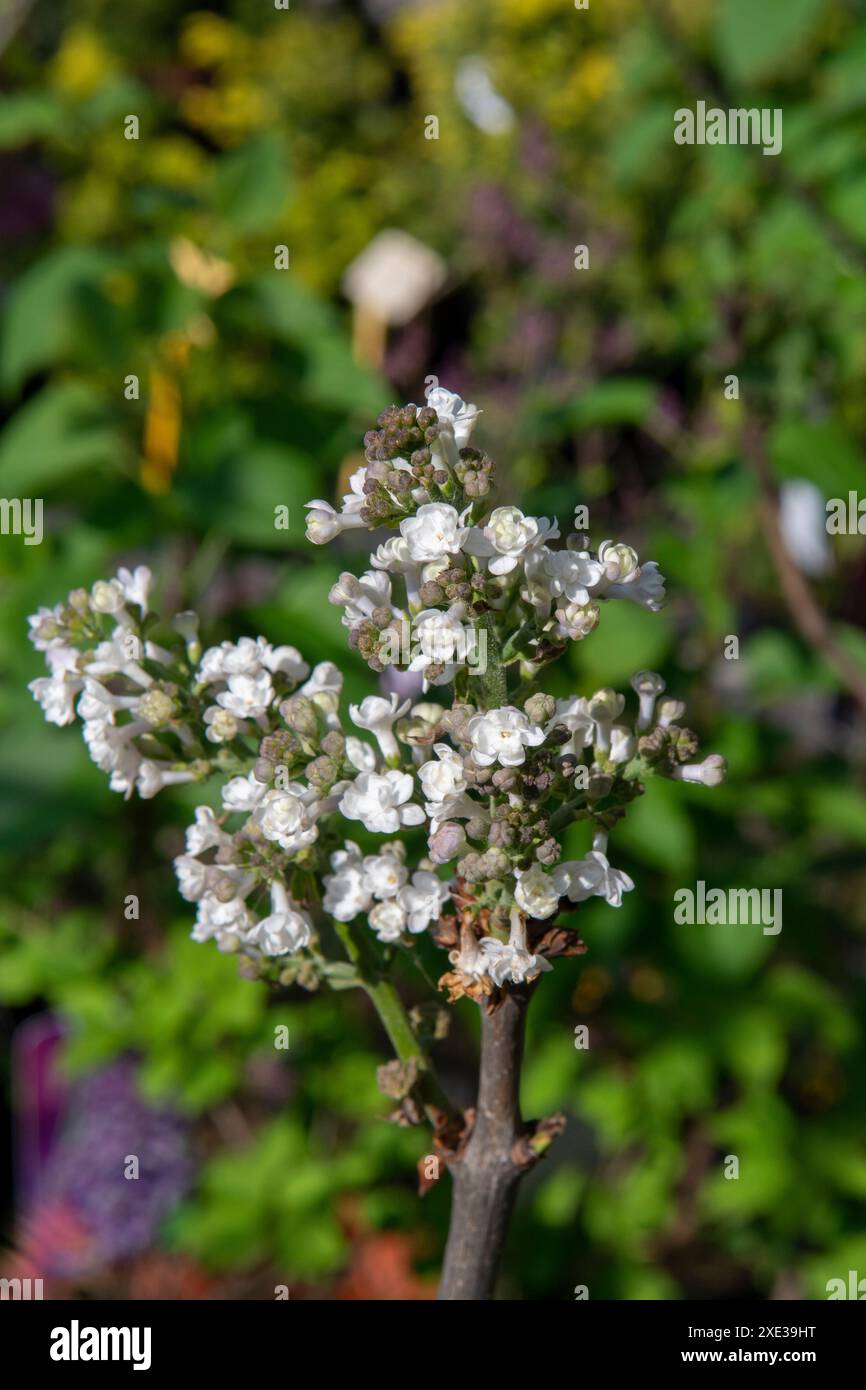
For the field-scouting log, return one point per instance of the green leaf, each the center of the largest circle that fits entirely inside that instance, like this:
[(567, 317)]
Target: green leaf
[(627, 639), (26, 116), (754, 40), (39, 319), (61, 432), (251, 184)]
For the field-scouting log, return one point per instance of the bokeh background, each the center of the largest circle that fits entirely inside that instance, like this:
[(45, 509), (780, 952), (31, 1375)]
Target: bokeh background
[(154, 257)]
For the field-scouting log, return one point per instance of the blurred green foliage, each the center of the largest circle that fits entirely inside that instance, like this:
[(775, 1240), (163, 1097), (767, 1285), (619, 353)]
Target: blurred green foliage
[(154, 258)]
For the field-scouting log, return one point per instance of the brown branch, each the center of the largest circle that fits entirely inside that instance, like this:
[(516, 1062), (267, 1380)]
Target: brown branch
[(806, 614), (501, 1148)]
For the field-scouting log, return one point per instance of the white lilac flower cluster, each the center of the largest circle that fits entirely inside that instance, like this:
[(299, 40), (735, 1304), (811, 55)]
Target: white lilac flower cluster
[(457, 559), (489, 781)]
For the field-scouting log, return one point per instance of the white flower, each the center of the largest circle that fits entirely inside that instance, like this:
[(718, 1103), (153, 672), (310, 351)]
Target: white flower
[(577, 620), (604, 707), (385, 873), (222, 726), (378, 714), (711, 772), (620, 561), (360, 754), (327, 678), (153, 777), (247, 697), (470, 960), (506, 536), (359, 597), (443, 776), (56, 693), (111, 659), (107, 596), (347, 891), (456, 418), (441, 639), (393, 555), (324, 523), (193, 877), (382, 803), (592, 876), (624, 578), (135, 585), (423, 899), (512, 961), (46, 627), (388, 920), (572, 574), (226, 922), (537, 893), (286, 930), (623, 745), (435, 531), (243, 793), (502, 735), (669, 711), (287, 817), (243, 658), (647, 685), (206, 832), (287, 660)]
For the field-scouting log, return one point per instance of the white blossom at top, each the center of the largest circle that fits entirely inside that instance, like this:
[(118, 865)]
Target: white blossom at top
[(381, 802), (136, 585), (506, 536), (502, 735), (455, 417)]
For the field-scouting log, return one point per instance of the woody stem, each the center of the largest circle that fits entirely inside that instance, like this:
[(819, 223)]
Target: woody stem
[(486, 1175)]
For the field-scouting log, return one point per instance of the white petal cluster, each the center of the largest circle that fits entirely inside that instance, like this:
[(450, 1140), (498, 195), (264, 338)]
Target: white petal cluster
[(378, 886), (503, 736)]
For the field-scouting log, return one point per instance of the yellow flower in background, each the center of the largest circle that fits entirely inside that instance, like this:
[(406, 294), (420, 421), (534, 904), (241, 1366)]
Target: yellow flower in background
[(175, 161), (590, 81), (82, 63), (209, 40), (228, 113), (198, 270)]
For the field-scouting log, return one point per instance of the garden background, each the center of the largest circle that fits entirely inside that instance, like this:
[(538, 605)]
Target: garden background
[(154, 257)]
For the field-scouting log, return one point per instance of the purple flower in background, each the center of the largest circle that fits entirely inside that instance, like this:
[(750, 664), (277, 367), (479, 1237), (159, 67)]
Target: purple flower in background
[(106, 1126)]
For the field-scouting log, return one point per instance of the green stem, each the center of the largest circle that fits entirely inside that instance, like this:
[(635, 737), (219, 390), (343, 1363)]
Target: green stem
[(492, 683), (389, 1006)]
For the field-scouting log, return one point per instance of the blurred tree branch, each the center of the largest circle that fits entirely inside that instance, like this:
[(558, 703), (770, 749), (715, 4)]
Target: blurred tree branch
[(807, 615)]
